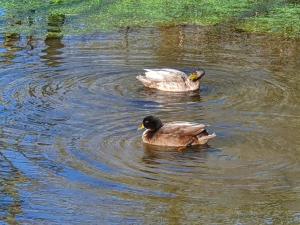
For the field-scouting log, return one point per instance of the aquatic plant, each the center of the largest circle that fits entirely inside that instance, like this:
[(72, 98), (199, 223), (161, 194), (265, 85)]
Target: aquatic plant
[(30, 16)]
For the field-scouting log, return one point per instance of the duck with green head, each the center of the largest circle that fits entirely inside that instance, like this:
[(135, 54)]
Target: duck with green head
[(176, 134), (171, 80)]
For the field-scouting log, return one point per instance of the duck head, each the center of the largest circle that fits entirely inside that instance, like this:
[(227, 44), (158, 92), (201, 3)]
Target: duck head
[(197, 75), (152, 123)]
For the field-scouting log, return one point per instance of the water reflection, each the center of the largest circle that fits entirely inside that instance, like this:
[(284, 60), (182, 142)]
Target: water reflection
[(170, 49), (14, 43), (74, 129), (53, 40), (11, 47), (10, 179), (2, 12), (167, 97)]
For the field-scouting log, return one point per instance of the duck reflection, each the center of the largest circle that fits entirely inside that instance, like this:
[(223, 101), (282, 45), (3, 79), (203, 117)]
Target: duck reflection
[(170, 97), (53, 40), (171, 162), (155, 154)]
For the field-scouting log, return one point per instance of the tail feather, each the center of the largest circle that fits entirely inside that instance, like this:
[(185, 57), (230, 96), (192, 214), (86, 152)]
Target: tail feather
[(144, 80), (204, 137)]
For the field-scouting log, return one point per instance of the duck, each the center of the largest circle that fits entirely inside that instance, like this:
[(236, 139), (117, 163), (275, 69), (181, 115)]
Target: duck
[(172, 80), (174, 134)]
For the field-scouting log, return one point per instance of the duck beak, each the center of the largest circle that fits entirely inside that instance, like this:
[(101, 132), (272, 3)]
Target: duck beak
[(193, 77), (141, 127), (197, 75)]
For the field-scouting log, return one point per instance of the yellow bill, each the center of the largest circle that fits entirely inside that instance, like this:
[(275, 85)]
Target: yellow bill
[(193, 77), (141, 127)]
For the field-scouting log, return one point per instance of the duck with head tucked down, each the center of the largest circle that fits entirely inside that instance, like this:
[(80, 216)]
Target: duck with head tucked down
[(176, 134), (171, 80)]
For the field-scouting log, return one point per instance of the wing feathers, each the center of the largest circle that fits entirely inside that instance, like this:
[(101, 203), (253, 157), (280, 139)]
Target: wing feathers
[(164, 74), (183, 128)]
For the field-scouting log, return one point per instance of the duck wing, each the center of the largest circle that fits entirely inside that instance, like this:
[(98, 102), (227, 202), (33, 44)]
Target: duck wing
[(183, 128), (166, 74), (178, 134)]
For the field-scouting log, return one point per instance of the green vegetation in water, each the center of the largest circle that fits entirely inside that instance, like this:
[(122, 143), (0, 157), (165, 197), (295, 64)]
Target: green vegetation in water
[(31, 16)]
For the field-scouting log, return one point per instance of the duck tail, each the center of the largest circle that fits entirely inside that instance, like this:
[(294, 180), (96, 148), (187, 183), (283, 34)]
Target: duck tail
[(144, 80), (204, 137), (140, 78)]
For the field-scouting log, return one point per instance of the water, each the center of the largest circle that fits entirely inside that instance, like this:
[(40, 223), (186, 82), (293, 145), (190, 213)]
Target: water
[(70, 149)]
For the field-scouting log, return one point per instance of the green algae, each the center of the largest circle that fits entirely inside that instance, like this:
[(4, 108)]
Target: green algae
[(82, 17)]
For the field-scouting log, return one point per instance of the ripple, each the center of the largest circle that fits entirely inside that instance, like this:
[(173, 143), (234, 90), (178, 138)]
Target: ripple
[(70, 126)]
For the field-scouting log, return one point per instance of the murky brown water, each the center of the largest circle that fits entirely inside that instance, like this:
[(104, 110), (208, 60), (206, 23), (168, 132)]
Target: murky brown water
[(70, 151)]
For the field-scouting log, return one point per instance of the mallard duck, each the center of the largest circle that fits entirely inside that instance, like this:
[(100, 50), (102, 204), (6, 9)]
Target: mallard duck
[(177, 134), (171, 79)]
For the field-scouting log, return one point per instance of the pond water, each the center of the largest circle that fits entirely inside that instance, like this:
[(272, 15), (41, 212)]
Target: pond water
[(70, 149)]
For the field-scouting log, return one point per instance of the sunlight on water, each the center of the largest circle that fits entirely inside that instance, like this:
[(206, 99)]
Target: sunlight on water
[(71, 152)]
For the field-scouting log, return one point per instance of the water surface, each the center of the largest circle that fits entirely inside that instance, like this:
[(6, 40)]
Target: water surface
[(70, 149)]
